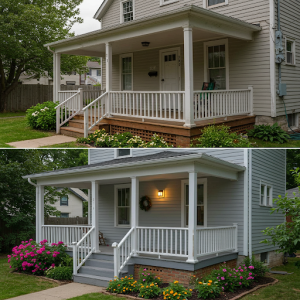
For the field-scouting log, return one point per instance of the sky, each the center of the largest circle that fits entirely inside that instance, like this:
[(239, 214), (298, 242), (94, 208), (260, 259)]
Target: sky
[(88, 9)]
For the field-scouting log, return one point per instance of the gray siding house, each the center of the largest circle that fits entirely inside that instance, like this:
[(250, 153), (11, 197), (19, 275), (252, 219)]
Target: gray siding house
[(178, 65), (207, 206)]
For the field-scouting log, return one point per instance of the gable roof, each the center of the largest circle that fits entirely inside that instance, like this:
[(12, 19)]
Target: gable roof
[(103, 9), (79, 193), (93, 65)]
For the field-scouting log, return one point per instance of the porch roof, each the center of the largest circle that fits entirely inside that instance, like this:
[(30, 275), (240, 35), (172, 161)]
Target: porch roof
[(158, 160), (207, 24)]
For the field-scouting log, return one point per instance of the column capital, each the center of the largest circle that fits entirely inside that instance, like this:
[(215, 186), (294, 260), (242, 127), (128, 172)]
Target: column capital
[(187, 28)]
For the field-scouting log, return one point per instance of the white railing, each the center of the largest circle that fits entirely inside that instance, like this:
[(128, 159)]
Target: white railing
[(90, 95), (163, 241), (213, 240), (222, 103), (65, 233), (151, 105), (69, 108), (95, 112), (64, 95), (123, 252), (83, 250)]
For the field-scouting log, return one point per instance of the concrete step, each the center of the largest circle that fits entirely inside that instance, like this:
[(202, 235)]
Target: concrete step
[(103, 272), (100, 263), (92, 280), (102, 256), (73, 131), (76, 123)]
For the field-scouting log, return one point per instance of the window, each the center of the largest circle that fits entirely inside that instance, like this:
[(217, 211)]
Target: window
[(120, 153), (217, 66), (127, 11), (122, 205), (64, 215), (64, 201), (201, 202), (293, 120), (264, 257), (126, 72), (216, 2), (70, 83), (290, 52), (266, 195), (99, 72), (164, 2)]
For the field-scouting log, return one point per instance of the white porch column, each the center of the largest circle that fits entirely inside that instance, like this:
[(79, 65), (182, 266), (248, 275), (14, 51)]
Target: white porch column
[(95, 214), (53, 76), (40, 211), (56, 76), (108, 53), (192, 237), (134, 211), (89, 206), (37, 209), (189, 77)]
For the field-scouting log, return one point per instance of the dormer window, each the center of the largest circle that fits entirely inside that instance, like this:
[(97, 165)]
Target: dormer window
[(127, 8)]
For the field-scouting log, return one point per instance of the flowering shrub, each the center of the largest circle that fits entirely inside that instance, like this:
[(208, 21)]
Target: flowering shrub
[(208, 289), (33, 258), (122, 140), (123, 286), (259, 267), (147, 278), (60, 273), (176, 291), (42, 116), (149, 291)]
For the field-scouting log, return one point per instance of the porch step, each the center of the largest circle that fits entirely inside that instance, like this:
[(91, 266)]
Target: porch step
[(103, 272), (92, 280), (73, 131), (99, 263)]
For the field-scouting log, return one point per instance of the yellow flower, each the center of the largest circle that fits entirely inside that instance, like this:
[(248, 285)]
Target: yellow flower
[(209, 284), (200, 282), (190, 290), (171, 292), (185, 293), (210, 281)]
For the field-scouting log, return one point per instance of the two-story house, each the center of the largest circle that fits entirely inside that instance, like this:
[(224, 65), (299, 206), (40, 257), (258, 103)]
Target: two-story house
[(183, 210), (174, 66)]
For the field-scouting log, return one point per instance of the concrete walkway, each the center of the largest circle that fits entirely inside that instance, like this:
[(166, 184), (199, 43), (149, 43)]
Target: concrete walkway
[(66, 291), (47, 141)]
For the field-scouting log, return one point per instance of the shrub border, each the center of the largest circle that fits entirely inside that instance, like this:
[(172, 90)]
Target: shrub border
[(235, 298)]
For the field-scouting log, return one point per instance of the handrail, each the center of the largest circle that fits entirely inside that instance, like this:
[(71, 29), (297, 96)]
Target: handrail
[(174, 228), (64, 226), (125, 237), (92, 103), (67, 100)]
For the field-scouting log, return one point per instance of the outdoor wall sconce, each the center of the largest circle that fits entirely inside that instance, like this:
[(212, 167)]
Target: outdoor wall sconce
[(145, 44), (161, 193)]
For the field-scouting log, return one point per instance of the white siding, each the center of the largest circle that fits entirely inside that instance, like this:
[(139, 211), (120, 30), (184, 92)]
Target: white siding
[(74, 208)]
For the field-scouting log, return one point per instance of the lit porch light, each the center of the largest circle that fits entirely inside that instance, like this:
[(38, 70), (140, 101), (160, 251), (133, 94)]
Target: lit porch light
[(161, 193)]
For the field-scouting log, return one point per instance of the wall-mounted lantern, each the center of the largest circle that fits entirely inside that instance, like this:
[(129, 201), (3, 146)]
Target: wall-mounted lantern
[(161, 193)]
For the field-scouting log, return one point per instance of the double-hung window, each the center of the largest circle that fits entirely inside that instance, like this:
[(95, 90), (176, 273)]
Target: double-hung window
[(290, 52), (122, 205), (127, 11), (64, 201), (266, 195), (126, 71), (217, 66)]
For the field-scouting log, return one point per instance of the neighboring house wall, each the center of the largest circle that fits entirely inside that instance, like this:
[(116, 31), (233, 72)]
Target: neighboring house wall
[(75, 79), (267, 166), (224, 206)]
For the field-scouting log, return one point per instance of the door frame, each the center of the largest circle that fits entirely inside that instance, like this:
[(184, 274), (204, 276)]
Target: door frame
[(161, 52)]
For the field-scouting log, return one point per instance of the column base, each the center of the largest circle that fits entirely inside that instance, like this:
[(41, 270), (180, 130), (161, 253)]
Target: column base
[(189, 125), (192, 261)]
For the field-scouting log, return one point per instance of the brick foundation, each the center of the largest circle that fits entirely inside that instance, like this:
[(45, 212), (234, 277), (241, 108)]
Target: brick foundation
[(183, 276)]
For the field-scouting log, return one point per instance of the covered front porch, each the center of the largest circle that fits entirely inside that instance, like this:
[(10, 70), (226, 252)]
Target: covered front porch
[(175, 67), (183, 225)]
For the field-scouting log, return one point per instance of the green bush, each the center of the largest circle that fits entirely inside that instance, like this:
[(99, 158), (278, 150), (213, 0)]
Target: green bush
[(209, 289), (124, 285), (260, 268), (60, 273), (42, 116), (146, 278), (100, 138), (150, 291), (269, 133), (176, 291), (216, 136)]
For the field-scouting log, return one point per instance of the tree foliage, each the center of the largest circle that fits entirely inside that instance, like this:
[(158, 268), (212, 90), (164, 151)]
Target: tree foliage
[(25, 27), (17, 196), (286, 235)]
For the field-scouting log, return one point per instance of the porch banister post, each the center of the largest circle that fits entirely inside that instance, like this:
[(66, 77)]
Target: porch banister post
[(134, 211), (250, 87), (189, 77), (192, 234), (236, 236), (37, 210), (95, 205), (108, 53), (116, 259), (54, 77), (80, 90), (41, 212)]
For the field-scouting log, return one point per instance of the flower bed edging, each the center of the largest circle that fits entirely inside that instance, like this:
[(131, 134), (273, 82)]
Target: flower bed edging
[(235, 298)]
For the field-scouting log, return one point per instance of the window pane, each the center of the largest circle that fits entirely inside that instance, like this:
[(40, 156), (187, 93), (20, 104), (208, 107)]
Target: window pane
[(262, 200), (64, 200), (214, 2), (216, 56), (289, 58), (123, 152), (289, 46), (123, 216), (123, 198), (187, 216), (268, 191), (200, 215), (127, 197), (222, 56), (187, 194), (200, 194), (218, 76), (210, 57), (127, 82), (126, 65), (119, 197)]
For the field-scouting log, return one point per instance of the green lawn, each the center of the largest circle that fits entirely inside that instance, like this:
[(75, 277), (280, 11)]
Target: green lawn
[(262, 144), (13, 285), (16, 129), (10, 114), (67, 145)]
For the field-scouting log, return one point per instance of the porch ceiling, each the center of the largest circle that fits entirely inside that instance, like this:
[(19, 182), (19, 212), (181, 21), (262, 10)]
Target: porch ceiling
[(161, 30)]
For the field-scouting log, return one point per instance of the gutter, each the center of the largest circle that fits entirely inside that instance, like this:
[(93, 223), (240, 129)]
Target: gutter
[(29, 180)]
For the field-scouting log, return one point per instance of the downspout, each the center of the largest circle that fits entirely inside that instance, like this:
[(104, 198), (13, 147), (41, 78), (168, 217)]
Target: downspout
[(279, 29), (250, 204)]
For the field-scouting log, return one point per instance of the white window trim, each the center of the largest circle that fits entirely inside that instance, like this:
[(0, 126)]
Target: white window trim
[(297, 122), (266, 184), (162, 2), (120, 70), (116, 187), (119, 157), (121, 10), (288, 39), (183, 206), (161, 61), (205, 4), (216, 43)]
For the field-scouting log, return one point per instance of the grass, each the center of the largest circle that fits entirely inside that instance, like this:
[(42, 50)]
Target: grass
[(13, 285), (10, 114), (67, 145), (263, 144), (15, 130)]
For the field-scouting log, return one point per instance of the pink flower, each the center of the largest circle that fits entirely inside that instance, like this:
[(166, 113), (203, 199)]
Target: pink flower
[(241, 277), (242, 270), (144, 279), (60, 243), (224, 270), (251, 267), (53, 265), (54, 255), (250, 274), (10, 266), (222, 278), (48, 252), (240, 283)]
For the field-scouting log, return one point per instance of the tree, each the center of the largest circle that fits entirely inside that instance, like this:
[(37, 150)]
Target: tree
[(286, 235), (17, 196), (25, 27), (292, 163)]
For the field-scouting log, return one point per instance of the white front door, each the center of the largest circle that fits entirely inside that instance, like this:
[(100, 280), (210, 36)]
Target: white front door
[(170, 70)]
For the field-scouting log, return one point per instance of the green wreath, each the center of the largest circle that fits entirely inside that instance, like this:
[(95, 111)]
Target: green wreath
[(145, 203)]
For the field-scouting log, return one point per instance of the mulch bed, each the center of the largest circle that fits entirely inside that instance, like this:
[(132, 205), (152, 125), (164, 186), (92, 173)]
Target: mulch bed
[(261, 282)]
